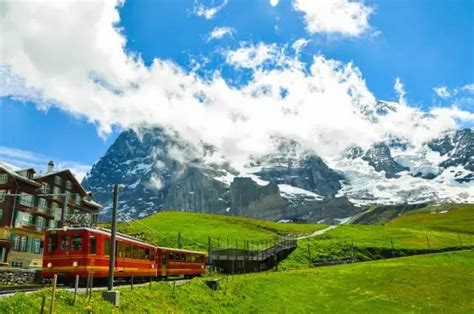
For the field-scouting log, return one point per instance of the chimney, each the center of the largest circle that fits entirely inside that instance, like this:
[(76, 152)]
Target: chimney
[(50, 166)]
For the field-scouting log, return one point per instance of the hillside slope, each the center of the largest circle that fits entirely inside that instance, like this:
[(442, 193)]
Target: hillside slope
[(163, 228), (437, 283)]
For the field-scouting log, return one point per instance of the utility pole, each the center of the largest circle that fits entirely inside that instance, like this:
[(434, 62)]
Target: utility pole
[(110, 295)]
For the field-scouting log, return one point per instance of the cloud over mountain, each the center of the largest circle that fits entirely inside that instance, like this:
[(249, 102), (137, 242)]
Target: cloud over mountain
[(324, 104)]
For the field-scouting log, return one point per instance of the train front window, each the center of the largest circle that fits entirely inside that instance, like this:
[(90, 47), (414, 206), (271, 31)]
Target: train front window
[(92, 244), (64, 242), (76, 242), (52, 243), (141, 253)]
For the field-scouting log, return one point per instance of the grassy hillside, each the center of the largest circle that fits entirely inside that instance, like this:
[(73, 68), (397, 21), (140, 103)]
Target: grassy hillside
[(424, 284), (408, 234), (446, 217), (163, 229)]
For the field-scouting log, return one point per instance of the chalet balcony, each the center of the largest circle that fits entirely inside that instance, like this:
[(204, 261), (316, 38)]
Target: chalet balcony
[(45, 212), (30, 227)]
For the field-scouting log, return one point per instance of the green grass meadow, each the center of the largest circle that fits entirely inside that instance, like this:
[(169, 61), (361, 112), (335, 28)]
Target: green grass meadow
[(163, 228), (436, 283)]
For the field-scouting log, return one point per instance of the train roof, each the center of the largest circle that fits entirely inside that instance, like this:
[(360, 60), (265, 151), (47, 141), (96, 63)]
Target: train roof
[(103, 231), (179, 250), (124, 236)]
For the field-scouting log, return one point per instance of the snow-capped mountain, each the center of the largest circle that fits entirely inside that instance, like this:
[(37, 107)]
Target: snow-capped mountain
[(162, 171)]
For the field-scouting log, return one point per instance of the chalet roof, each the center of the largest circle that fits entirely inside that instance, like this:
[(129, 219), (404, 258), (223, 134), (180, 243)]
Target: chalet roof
[(91, 203), (43, 175), (18, 176), (25, 169)]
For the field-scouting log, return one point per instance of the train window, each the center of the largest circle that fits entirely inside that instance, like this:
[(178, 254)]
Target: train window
[(52, 243), (193, 258), (135, 252), (171, 257), (64, 242), (182, 257), (187, 258), (147, 254), (76, 242), (120, 249), (141, 253), (92, 244), (163, 258), (128, 250), (107, 247)]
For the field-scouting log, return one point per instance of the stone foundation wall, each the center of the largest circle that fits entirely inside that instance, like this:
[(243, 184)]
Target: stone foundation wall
[(19, 276)]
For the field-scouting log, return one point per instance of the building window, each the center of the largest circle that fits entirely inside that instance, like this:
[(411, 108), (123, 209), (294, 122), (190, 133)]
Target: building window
[(40, 222), (42, 203), (58, 180), (52, 223), (2, 195), (36, 245), (22, 219), (23, 243), (16, 242), (3, 178), (17, 264), (26, 199), (45, 188), (68, 185), (1, 215), (78, 199)]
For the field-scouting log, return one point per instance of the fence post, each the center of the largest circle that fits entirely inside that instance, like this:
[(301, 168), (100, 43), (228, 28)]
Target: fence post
[(43, 302), (209, 259), (53, 294), (76, 286), (92, 284), (309, 255), (352, 250), (428, 240)]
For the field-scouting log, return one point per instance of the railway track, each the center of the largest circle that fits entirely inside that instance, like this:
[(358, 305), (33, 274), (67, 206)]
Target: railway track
[(10, 290), (14, 289)]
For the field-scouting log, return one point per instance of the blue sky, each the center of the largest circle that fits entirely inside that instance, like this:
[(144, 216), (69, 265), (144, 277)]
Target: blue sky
[(426, 44)]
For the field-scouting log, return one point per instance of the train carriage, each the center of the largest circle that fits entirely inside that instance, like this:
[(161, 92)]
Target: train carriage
[(82, 251), (177, 262), (85, 251)]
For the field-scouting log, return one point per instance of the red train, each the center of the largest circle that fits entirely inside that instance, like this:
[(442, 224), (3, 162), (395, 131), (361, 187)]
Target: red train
[(85, 251)]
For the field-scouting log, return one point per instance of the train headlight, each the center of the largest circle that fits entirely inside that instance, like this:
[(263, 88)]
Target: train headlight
[(50, 265), (74, 264)]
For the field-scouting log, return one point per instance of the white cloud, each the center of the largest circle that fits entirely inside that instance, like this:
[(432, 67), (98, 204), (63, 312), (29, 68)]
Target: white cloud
[(299, 44), (220, 32), (400, 90), (469, 88), (26, 159), (442, 91), (208, 12), (345, 17), (251, 56), (274, 3), (325, 106)]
